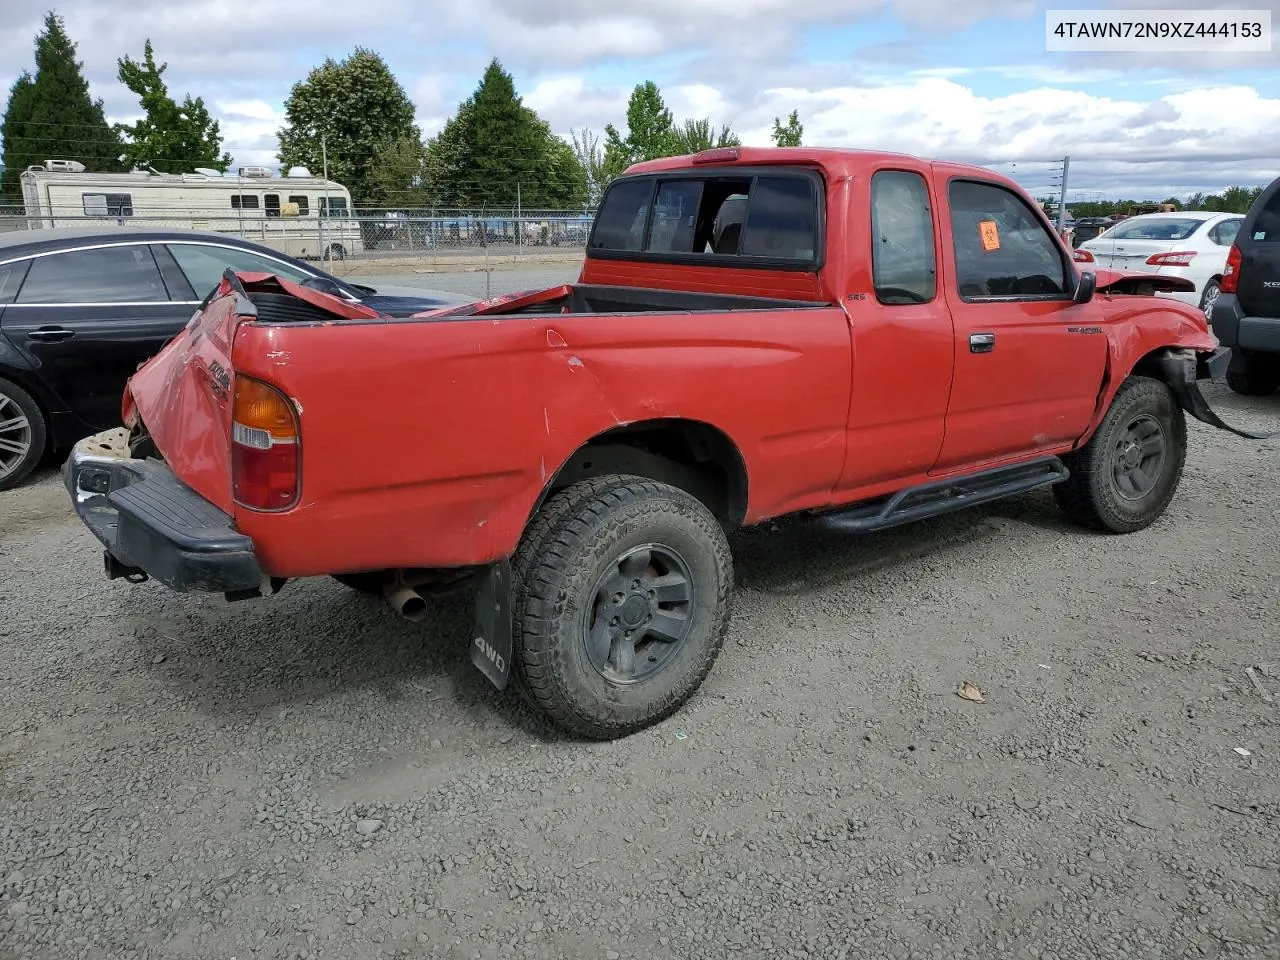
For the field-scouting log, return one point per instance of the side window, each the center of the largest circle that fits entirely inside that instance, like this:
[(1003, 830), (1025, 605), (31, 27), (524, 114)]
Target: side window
[(1224, 234), (122, 274), (11, 275), (271, 202), (903, 262), (244, 201), (621, 220), (675, 213), (205, 265), (301, 201), (781, 220), (333, 206), (1002, 249), (1266, 228), (107, 204)]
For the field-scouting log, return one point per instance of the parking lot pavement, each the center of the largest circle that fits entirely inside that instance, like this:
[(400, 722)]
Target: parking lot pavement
[(309, 776)]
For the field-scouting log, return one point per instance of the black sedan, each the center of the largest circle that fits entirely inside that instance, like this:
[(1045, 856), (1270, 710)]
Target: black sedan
[(81, 308)]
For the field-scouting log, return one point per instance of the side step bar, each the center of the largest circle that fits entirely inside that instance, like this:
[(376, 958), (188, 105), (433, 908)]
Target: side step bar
[(947, 496)]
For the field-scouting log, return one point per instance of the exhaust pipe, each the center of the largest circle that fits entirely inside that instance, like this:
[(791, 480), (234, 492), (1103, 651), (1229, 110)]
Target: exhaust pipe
[(405, 601)]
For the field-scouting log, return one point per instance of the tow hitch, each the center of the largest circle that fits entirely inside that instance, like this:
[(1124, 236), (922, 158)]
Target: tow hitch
[(1181, 368)]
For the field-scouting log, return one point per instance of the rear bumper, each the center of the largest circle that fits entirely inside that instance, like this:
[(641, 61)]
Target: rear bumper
[(149, 521), (1244, 333)]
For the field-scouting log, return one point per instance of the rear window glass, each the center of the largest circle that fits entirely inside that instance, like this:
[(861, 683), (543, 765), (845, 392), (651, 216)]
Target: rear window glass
[(674, 215), (620, 223), (757, 217), (1266, 229), (1163, 228), (780, 219)]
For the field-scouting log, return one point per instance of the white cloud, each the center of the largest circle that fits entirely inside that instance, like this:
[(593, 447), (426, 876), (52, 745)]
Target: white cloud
[(734, 61)]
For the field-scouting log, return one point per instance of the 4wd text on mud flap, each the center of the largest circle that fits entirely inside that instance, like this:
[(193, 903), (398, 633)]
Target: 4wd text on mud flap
[(493, 655)]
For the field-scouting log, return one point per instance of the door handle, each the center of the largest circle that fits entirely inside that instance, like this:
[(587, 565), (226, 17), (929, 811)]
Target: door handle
[(50, 334), (982, 342)]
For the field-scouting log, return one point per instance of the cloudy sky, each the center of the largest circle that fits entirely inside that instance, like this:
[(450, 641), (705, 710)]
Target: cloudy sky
[(956, 80)]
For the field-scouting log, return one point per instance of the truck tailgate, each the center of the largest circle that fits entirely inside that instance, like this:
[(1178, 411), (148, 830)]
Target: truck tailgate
[(184, 393)]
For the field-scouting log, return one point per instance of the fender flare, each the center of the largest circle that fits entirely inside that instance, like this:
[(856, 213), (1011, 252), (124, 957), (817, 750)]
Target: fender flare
[(1181, 370)]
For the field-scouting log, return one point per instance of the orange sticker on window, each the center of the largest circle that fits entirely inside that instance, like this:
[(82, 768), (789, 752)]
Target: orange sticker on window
[(990, 235)]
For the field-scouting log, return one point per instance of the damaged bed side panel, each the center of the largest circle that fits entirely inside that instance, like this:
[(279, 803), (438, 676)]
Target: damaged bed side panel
[(456, 426)]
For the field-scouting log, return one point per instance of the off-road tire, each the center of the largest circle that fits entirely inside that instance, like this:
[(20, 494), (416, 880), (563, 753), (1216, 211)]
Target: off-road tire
[(1092, 495), (572, 541), (38, 433), (1257, 377)]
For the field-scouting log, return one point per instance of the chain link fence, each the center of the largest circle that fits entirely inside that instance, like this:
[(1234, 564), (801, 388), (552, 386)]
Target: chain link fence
[(467, 237)]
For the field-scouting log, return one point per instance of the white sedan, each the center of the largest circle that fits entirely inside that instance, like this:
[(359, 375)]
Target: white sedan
[(1190, 243)]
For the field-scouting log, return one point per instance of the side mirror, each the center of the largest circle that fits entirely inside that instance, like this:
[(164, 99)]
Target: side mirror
[(1085, 287)]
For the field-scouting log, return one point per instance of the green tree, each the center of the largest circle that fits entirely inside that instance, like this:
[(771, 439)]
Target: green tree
[(349, 110), (789, 135), (590, 156), (169, 137), (13, 132), (399, 174), (496, 152), (693, 136), (650, 131), (53, 117), (1239, 199)]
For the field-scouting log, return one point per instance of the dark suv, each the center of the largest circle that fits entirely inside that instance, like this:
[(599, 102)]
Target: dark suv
[(1246, 315)]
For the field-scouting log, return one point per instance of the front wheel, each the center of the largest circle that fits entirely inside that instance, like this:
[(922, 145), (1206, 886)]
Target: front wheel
[(1124, 478), (623, 593)]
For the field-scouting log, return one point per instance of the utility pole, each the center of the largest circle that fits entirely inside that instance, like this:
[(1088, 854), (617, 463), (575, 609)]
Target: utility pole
[(324, 207)]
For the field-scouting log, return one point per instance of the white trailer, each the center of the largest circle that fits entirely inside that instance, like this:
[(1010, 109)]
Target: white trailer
[(303, 216)]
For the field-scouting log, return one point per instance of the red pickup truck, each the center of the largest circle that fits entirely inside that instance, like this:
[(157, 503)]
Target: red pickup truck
[(754, 333)]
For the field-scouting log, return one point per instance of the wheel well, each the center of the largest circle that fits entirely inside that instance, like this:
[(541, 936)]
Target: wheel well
[(689, 454)]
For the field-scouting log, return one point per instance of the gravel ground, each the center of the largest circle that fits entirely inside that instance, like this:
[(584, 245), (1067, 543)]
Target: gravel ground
[(308, 776)]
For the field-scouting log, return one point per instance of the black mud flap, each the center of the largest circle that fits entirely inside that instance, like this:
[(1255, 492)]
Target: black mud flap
[(492, 646), (1181, 368)]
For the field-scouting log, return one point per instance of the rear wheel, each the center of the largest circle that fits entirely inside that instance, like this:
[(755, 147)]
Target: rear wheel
[(1209, 298), (1256, 377), (1123, 479), (22, 434), (622, 603)]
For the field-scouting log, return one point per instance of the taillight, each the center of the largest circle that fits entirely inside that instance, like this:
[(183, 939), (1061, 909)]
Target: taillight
[(265, 462), (1230, 281), (1179, 259), (1082, 256)]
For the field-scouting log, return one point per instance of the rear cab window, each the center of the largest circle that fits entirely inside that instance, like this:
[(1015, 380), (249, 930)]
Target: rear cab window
[(758, 217)]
